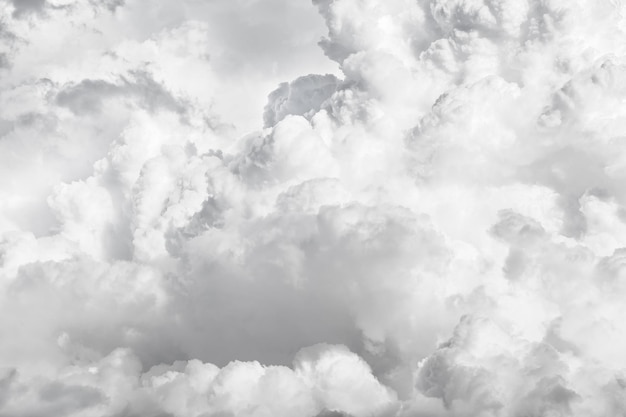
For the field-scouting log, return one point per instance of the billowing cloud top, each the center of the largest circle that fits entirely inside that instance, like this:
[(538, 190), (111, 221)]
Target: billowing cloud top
[(205, 213)]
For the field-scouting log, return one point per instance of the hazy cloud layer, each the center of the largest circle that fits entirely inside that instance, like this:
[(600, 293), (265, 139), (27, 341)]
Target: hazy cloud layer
[(203, 212)]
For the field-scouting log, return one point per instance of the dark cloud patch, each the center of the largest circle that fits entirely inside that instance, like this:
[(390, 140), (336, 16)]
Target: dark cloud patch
[(7, 377), (24, 7), (88, 95), (550, 397), (332, 413), (303, 97), (54, 398), (128, 413), (8, 42), (111, 5), (64, 399)]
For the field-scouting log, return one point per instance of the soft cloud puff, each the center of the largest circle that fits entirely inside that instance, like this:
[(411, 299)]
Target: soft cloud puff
[(201, 215), (323, 378)]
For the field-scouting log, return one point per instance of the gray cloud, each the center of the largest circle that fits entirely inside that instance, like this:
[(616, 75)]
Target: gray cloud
[(303, 97), (88, 95), (23, 7)]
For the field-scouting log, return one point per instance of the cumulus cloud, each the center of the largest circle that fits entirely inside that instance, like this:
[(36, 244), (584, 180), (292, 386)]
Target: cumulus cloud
[(339, 208), (304, 96)]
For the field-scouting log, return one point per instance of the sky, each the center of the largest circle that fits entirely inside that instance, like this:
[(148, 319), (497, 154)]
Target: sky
[(327, 208)]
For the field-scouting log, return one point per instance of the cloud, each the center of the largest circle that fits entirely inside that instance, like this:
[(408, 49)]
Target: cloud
[(304, 96), (324, 380), (88, 94), (27, 6), (201, 214)]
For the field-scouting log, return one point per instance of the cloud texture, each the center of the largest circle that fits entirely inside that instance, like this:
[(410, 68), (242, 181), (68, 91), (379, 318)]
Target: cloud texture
[(204, 213)]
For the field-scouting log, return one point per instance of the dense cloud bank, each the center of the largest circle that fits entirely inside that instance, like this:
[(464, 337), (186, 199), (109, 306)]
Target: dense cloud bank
[(203, 215)]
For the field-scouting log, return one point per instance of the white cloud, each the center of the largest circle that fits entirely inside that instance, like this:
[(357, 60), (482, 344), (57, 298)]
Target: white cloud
[(201, 215)]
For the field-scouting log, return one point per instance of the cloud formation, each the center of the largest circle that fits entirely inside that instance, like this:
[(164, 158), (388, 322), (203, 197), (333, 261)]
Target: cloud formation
[(204, 213)]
